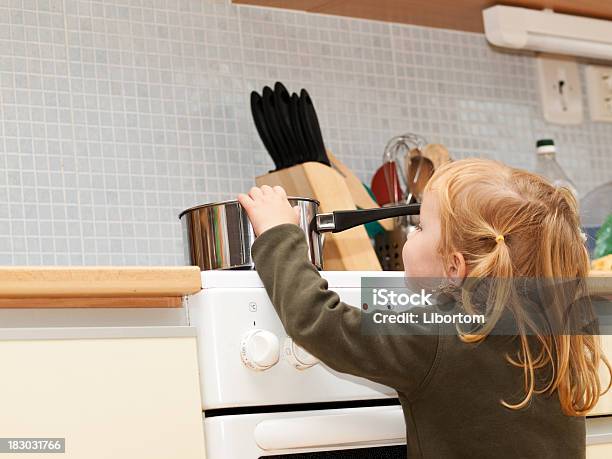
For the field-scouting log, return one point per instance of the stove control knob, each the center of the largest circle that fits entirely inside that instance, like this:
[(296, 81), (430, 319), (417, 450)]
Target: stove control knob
[(259, 349), (297, 356)]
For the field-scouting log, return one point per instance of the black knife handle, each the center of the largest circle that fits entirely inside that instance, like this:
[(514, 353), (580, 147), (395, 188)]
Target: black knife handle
[(263, 130), (315, 128)]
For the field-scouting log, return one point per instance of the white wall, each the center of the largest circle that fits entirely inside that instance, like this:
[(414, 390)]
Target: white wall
[(116, 115)]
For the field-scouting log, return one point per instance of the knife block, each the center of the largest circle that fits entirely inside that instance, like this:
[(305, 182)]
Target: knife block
[(349, 250)]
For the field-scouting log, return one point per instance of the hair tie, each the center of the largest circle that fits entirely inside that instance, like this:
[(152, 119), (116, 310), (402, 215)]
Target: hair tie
[(499, 238)]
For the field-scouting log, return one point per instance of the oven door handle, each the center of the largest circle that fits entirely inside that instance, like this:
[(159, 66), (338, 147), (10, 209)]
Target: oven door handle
[(371, 426)]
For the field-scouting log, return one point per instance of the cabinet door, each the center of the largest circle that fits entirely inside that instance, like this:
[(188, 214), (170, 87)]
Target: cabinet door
[(599, 451), (113, 397), (604, 406)]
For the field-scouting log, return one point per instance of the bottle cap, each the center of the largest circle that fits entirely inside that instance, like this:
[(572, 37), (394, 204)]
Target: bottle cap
[(545, 146), (544, 142)]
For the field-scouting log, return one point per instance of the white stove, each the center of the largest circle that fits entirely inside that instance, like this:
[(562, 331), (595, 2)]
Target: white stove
[(263, 395)]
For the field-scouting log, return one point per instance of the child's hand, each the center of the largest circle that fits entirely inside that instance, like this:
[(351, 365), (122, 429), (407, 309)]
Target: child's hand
[(268, 207)]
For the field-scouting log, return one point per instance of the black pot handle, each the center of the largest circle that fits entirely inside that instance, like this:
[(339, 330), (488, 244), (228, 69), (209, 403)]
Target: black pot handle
[(341, 220)]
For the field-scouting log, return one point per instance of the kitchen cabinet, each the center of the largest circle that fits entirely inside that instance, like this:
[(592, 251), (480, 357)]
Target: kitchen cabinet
[(603, 451), (446, 14), (604, 406), (603, 409), (120, 392), (103, 357)]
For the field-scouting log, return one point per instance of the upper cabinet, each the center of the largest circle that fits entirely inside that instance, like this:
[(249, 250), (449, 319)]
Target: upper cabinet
[(446, 14)]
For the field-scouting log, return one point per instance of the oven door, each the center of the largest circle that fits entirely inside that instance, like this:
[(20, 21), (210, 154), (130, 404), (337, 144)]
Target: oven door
[(363, 432)]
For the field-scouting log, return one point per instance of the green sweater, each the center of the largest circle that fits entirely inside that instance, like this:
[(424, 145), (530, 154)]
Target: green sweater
[(450, 391)]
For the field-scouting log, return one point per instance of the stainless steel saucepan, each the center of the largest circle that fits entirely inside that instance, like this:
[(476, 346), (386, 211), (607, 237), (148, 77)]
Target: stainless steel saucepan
[(220, 235)]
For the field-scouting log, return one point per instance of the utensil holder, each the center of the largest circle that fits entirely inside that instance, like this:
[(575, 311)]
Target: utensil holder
[(388, 246), (350, 250)]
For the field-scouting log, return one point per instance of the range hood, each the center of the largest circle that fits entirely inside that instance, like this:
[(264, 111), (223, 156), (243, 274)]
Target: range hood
[(546, 31)]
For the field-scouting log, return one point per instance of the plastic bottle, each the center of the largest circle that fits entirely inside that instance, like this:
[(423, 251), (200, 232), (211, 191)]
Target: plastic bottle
[(547, 165)]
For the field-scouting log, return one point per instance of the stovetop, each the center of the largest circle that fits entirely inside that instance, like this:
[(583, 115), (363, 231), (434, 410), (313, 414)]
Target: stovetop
[(250, 278)]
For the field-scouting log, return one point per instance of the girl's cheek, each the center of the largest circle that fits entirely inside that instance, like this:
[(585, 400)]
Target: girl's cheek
[(421, 258), (408, 253), (404, 252)]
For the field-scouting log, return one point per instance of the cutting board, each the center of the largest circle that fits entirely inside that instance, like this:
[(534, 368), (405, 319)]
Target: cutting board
[(349, 250)]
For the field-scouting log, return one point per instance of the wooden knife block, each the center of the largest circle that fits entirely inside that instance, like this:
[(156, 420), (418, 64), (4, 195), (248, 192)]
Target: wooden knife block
[(350, 250)]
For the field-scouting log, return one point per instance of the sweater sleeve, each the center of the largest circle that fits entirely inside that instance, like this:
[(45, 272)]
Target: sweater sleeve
[(316, 319)]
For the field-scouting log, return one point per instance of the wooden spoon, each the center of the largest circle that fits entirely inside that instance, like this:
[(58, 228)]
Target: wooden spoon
[(419, 170), (437, 154), (420, 166)]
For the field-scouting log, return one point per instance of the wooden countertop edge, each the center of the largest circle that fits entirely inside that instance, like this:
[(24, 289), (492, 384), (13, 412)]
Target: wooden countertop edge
[(122, 283), (92, 302), (600, 273), (98, 282), (600, 283)]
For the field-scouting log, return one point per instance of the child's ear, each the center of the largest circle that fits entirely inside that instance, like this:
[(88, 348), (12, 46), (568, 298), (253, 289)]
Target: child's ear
[(456, 268)]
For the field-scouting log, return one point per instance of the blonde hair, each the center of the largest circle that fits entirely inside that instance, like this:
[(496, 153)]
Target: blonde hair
[(510, 223)]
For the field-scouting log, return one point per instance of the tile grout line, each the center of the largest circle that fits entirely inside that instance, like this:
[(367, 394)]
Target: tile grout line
[(239, 13), (35, 175), (18, 154), (73, 132), (6, 174)]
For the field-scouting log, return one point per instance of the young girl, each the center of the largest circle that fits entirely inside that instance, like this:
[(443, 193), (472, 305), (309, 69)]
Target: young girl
[(462, 395)]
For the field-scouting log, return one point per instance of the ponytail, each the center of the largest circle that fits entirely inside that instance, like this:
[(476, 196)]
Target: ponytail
[(509, 223)]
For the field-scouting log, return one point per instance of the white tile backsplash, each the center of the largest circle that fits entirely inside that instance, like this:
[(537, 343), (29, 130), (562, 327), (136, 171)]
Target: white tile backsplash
[(117, 115)]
